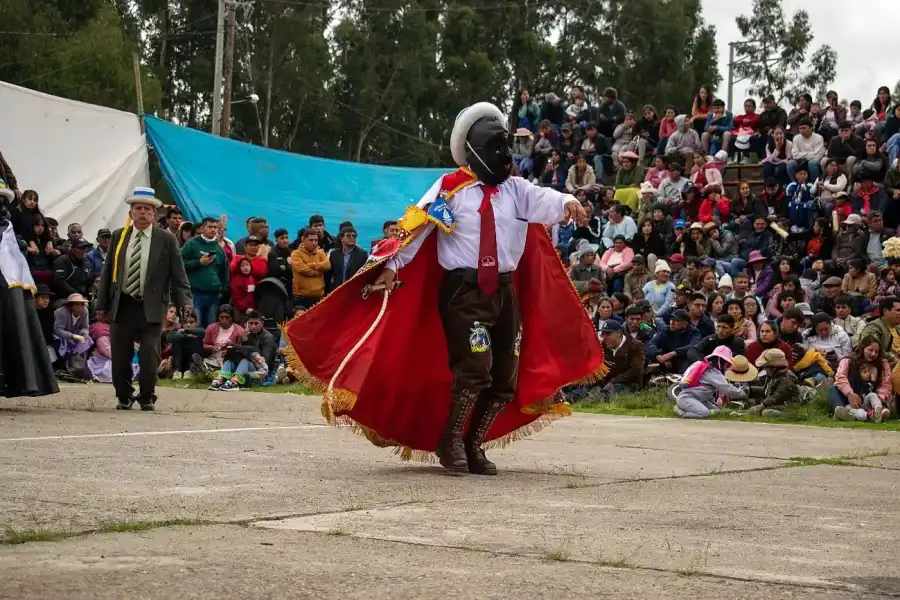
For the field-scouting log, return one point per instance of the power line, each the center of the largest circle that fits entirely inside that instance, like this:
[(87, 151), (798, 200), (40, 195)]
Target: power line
[(69, 66)]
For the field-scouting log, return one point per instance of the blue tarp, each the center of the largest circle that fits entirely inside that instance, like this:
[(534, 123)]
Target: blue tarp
[(211, 176)]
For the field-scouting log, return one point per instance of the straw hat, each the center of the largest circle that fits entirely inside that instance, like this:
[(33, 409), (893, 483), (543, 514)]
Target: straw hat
[(76, 299), (143, 195), (741, 370)]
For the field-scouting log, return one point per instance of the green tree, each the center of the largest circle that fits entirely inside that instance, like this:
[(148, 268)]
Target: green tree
[(773, 54)]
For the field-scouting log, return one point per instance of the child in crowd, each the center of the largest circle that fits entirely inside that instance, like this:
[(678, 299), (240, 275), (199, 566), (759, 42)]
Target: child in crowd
[(801, 200), (242, 287), (780, 387), (703, 382)]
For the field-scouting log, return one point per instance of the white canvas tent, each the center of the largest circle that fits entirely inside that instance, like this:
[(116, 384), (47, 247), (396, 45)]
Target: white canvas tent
[(83, 160)]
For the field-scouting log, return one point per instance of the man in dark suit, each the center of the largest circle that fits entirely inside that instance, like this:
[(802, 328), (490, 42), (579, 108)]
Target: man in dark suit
[(346, 260), (134, 296)]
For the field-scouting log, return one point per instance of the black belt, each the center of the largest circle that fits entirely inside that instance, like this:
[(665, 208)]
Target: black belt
[(471, 275), (133, 298)]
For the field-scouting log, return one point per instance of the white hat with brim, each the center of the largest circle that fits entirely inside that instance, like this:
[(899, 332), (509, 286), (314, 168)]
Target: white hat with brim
[(647, 188), (143, 195), (464, 122), (76, 299)]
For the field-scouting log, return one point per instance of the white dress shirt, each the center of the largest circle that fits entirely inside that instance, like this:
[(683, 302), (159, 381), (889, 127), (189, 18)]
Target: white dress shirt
[(517, 203)]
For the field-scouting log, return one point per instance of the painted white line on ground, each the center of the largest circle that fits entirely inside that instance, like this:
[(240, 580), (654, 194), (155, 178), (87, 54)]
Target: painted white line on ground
[(137, 433)]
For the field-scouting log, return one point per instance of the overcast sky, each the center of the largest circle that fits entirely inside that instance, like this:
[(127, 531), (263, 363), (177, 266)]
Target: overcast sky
[(863, 32)]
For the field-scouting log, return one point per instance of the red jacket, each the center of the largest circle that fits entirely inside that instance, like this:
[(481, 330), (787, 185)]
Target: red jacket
[(259, 267), (242, 287), (750, 121), (705, 213)]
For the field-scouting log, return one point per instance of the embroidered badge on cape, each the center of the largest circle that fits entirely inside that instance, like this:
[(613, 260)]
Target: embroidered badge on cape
[(440, 214), (518, 343), (479, 340)]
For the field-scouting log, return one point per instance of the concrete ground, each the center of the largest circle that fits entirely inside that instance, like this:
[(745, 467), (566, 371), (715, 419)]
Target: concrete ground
[(252, 496)]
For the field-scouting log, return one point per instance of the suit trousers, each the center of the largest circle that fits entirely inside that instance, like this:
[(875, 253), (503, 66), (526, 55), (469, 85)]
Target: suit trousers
[(483, 337), (129, 327)]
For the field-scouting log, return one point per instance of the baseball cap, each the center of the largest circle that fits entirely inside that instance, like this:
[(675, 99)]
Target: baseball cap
[(104, 233), (611, 326), (81, 243), (679, 224), (681, 315), (251, 239)]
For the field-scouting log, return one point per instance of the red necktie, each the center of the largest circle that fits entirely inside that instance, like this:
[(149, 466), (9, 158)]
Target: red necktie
[(488, 270)]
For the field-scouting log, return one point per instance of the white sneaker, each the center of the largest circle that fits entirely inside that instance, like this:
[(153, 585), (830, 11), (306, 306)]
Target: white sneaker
[(176, 375), (859, 413), (187, 376), (842, 413)]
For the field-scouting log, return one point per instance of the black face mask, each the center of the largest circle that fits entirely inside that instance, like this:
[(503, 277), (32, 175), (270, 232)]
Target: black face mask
[(488, 151)]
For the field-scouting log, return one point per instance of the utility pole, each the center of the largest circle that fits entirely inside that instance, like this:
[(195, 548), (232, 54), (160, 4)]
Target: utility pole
[(225, 127), (730, 75), (138, 90), (217, 78)]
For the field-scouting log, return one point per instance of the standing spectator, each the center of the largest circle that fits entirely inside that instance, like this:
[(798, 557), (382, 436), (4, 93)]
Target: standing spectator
[(326, 240), (46, 316), (252, 252), (345, 260), (258, 227), (309, 263), (280, 259), (717, 131), (225, 244), (801, 199), (242, 286), (700, 109), (97, 257), (526, 112), (134, 294), (174, 220), (71, 273), (389, 230), (807, 146), (771, 117), (185, 233), (207, 271), (610, 113)]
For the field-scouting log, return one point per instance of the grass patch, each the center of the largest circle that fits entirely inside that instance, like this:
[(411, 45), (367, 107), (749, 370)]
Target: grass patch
[(653, 403), (337, 531), (291, 388), (14, 536)]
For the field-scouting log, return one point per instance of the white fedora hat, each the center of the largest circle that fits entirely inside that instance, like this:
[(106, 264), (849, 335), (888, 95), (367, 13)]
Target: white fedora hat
[(464, 121)]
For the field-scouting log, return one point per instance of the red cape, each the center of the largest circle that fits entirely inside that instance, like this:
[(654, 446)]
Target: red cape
[(395, 389)]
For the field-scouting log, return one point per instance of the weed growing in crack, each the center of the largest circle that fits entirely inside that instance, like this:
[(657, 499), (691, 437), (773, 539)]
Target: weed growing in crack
[(558, 554), (337, 531)]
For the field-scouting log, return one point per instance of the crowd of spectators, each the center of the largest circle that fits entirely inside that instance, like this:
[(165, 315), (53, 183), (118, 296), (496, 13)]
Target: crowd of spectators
[(756, 300), (797, 278)]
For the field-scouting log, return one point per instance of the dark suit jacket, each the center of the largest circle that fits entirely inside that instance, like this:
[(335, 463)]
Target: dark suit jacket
[(335, 275), (165, 272)]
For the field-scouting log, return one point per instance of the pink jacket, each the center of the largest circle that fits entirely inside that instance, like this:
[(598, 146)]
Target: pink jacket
[(209, 338), (655, 176), (842, 381), (666, 129), (627, 256)]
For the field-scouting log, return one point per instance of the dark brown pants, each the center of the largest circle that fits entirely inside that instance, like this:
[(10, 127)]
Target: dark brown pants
[(129, 327), (483, 337)]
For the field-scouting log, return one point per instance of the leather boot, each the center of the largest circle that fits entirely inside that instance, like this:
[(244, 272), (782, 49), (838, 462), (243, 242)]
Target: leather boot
[(485, 414), (450, 450)]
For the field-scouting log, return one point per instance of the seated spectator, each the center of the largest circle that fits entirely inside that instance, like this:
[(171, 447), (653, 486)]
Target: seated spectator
[(717, 130), (801, 208), (622, 138), (619, 224), (581, 178), (672, 189), (849, 241), (242, 286), (842, 208), (768, 338), (887, 285), (554, 175), (779, 151), (830, 183), (892, 190), (185, 341), (724, 336), (657, 172), (870, 160), (802, 111), (697, 245), (667, 351), (780, 389), (715, 208), (647, 129), (660, 292), (862, 387), (97, 257), (70, 328), (890, 135), (771, 117), (24, 214), (309, 263), (40, 252), (832, 116), (217, 337), (648, 242), (684, 142), (578, 111), (698, 317), (583, 272), (71, 273), (610, 113), (703, 382), (528, 113), (743, 327), (745, 136), (100, 362), (853, 326), (625, 359), (663, 225), (523, 147), (207, 269), (868, 196), (833, 342), (47, 317), (859, 282), (552, 109), (547, 142), (854, 114), (591, 231), (249, 358), (569, 145), (628, 180), (808, 147), (637, 277), (635, 327), (844, 148), (667, 127), (616, 261)]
